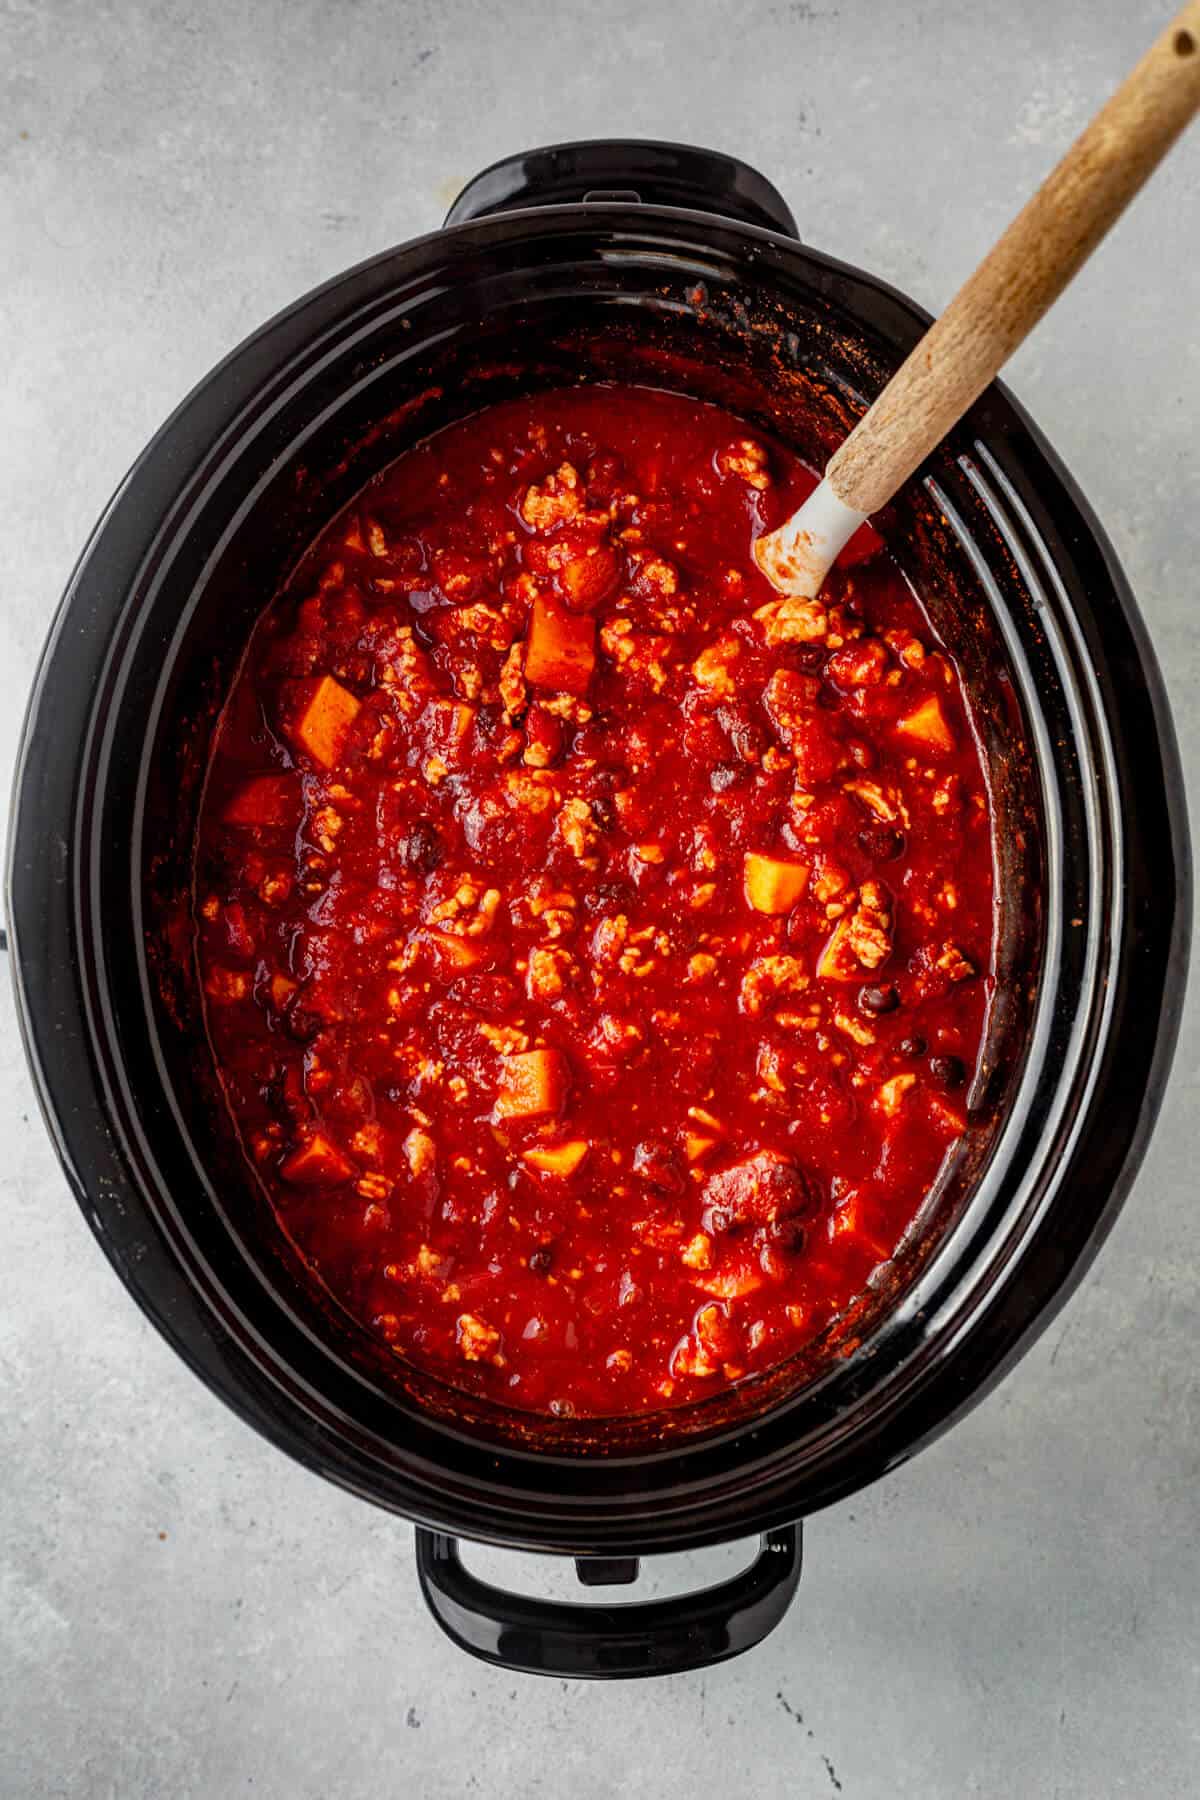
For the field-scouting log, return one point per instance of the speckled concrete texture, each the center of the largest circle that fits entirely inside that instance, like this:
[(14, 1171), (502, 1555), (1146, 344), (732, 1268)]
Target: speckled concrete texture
[(182, 1611)]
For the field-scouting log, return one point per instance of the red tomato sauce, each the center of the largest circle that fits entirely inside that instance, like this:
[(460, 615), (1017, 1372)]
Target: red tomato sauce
[(596, 948)]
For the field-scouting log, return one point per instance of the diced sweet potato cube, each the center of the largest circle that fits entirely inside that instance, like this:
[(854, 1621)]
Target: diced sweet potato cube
[(265, 800), (317, 1162), (773, 886), (557, 1159), (533, 1083), (695, 1146), (325, 716), (282, 989), (588, 578), (560, 652), (927, 725)]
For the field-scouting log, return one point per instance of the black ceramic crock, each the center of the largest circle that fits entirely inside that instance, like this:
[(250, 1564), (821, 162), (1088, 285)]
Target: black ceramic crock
[(670, 265)]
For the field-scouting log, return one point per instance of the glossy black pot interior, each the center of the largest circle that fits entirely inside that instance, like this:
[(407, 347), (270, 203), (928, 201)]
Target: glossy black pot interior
[(599, 272)]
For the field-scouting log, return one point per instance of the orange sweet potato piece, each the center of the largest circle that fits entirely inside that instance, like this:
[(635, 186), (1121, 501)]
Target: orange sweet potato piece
[(533, 1083), (326, 713), (590, 577), (771, 885), (557, 1159), (265, 800), (561, 649), (317, 1162), (927, 725)]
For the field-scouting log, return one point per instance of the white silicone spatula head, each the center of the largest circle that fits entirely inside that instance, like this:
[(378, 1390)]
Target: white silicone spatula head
[(995, 309)]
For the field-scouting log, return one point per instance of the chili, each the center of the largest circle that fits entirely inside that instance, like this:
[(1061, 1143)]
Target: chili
[(596, 947)]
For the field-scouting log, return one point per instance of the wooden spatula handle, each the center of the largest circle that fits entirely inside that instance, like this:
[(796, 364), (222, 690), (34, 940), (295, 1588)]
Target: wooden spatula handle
[(1031, 264)]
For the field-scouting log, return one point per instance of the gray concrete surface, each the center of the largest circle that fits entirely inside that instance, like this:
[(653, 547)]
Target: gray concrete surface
[(182, 1611)]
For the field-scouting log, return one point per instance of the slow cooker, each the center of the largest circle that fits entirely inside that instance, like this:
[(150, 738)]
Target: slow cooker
[(670, 265)]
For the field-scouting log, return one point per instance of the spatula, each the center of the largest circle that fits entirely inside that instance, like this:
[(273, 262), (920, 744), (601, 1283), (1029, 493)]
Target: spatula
[(995, 309)]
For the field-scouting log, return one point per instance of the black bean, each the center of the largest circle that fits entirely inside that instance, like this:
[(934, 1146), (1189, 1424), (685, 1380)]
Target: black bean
[(541, 1260), (804, 656), (609, 896), (421, 849), (797, 927), (491, 994), (948, 1071), (301, 1025), (882, 842), (658, 1164), (604, 813), (787, 1235), (750, 741), (878, 999), (912, 1047), (746, 737)]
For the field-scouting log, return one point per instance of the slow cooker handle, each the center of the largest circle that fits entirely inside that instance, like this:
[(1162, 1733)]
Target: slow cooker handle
[(604, 1642), (632, 171)]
